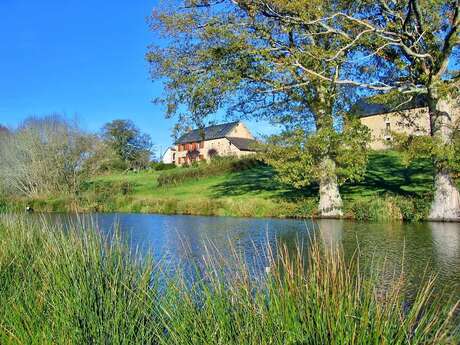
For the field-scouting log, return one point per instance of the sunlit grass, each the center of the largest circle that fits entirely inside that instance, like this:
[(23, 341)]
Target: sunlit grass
[(75, 286)]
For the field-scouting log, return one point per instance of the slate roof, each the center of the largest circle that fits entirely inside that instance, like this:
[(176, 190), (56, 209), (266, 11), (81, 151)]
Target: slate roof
[(207, 133), (365, 108), (243, 144)]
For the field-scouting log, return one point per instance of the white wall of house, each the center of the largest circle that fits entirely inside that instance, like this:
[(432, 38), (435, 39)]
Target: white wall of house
[(169, 157)]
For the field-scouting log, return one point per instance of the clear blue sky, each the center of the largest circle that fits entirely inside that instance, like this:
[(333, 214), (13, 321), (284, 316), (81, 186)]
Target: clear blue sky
[(83, 58)]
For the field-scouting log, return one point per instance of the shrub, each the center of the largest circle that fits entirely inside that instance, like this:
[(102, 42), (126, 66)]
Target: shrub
[(373, 209), (217, 166), (389, 207), (160, 166), (413, 209), (105, 189)]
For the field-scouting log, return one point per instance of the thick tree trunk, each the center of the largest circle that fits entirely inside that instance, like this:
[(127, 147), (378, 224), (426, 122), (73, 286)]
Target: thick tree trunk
[(446, 203), (330, 201)]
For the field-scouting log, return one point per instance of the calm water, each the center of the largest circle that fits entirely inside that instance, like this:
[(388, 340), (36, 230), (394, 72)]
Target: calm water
[(425, 248)]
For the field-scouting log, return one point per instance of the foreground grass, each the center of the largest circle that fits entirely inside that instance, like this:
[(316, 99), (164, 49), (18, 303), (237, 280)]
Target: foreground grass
[(74, 286), (389, 191)]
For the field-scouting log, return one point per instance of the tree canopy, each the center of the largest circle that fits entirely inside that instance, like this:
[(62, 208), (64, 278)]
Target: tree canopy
[(130, 145), (300, 62), (244, 57)]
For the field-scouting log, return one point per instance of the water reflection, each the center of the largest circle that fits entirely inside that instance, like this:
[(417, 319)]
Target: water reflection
[(331, 232), (429, 248)]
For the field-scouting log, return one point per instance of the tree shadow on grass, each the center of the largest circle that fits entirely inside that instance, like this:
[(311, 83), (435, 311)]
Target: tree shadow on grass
[(386, 173), (259, 181)]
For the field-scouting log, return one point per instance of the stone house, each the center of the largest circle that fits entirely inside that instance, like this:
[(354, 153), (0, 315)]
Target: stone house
[(382, 119), (228, 139)]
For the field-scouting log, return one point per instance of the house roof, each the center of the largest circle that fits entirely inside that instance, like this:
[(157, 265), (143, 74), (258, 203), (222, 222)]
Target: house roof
[(243, 144), (365, 107), (207, 133)]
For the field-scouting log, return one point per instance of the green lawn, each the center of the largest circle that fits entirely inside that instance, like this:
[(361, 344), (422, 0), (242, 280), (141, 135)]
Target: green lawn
[(389, 190), (386, 173)]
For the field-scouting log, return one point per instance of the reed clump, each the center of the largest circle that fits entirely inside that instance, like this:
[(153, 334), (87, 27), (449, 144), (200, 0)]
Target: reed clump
[(74, 285)]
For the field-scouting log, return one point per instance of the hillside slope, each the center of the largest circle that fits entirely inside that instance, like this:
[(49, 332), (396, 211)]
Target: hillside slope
[(389, 191)]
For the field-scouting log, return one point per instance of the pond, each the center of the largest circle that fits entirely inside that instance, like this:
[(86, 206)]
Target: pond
[(426, 248)]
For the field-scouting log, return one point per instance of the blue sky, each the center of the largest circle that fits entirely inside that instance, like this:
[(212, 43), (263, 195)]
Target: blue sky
[(82, 58)]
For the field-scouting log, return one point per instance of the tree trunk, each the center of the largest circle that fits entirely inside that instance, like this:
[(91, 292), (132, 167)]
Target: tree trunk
[(446, 203), (330, 201)]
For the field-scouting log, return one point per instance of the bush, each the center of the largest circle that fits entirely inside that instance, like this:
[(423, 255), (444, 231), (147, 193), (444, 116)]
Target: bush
[(413, 209), (389, 208), (107, 188), (373, 209), (217, 166), (160, 166)]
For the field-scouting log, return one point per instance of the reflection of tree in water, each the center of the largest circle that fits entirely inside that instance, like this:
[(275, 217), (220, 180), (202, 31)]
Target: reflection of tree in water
[(184, 240), (330, 231), (446, 242)]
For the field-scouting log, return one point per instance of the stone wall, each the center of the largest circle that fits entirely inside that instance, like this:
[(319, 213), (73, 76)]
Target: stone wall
[(415, 121)]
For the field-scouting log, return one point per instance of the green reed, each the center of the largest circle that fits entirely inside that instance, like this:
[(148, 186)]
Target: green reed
[(76, 286)]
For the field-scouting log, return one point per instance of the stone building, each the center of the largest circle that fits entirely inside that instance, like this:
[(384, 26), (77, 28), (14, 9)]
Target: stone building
[(411, 118), (228, 139)]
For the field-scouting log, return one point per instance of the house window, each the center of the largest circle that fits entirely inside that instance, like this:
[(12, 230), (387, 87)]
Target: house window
[(387, 131)]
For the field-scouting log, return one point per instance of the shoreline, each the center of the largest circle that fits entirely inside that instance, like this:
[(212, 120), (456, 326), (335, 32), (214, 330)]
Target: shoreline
[(224, 208)]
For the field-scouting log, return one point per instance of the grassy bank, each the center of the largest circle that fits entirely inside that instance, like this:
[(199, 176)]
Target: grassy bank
[(77, 287), (389, 191)]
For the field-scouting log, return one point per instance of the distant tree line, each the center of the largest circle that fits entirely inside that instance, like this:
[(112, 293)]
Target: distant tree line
[(52, 154)]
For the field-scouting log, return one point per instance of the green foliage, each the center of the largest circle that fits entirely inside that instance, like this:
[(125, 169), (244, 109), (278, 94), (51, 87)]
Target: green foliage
[(389, 208), (160, 166), (131, 146), (217, 166), (375, 209), (298, 157), (253, 62), (445, 155), (3, 205), (75, 286), (71, 286)]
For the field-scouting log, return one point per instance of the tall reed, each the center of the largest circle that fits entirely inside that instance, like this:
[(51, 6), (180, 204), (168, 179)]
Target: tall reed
[(76, 286)]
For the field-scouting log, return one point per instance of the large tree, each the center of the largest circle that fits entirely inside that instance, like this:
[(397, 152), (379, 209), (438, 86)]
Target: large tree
[(243, 56), (131, 146), (416, 46), (44, 155)]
